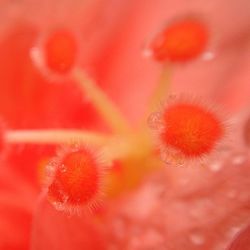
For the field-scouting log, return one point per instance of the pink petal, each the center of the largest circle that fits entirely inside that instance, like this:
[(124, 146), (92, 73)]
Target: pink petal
[(56, 230), (242, 240)]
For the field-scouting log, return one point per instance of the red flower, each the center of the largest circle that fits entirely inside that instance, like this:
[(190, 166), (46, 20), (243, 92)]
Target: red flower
[(150, 206)]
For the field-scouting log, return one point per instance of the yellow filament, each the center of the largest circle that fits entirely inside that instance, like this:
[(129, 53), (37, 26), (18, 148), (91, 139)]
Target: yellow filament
[(56, 136), (102, 103), (161, 89)]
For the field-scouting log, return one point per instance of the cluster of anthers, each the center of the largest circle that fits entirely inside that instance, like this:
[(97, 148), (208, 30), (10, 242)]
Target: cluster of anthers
[(90, 164)]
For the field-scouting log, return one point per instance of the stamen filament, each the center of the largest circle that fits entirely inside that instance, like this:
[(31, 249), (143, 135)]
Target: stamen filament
[(56, 136), (102, 103), (161, 89), (113, 146), (160, 92)]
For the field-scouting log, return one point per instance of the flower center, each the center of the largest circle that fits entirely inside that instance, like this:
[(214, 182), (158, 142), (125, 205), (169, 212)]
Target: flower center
[(190, 129)]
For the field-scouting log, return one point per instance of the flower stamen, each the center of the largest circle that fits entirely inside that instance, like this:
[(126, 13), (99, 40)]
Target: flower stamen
[(58, 56)]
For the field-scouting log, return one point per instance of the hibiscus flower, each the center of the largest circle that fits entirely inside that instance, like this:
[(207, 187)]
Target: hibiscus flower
[(148, 204)]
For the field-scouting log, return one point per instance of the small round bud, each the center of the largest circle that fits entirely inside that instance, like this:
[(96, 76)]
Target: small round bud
[(60, 51), (180, 41)]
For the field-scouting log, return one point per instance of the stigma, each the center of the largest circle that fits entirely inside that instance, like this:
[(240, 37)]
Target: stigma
[(180, 41)]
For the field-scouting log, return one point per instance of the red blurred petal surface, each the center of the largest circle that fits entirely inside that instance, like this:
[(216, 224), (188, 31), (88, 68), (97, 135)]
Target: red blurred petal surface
[(242, 240), (58, 231)]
